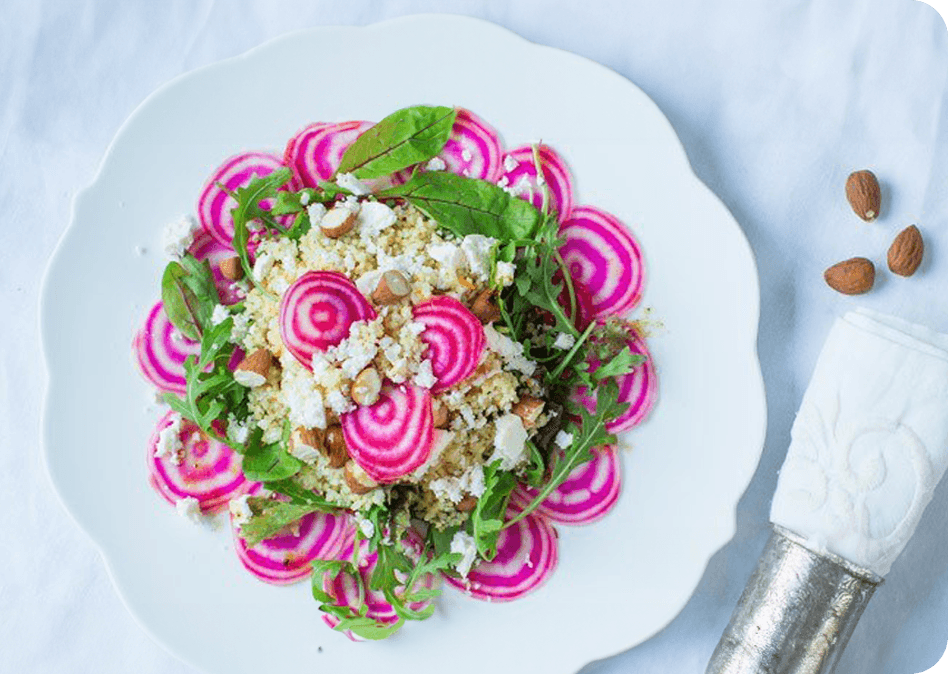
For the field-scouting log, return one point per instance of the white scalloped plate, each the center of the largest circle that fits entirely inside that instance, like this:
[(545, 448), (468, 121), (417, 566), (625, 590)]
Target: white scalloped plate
[(619, 581)]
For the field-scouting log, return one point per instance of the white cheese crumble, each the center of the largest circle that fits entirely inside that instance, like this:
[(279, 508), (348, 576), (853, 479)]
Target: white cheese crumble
[(510, 351), (466, 155), (510, 163), (564, 341), (478, 253), (219, 315), (509, 441), (169, 441), (189, 508), (373, 218), (237, 431), (262, 266), (315, 212), (347, 181), (304, 401), (178, 236), (504, 273), (436, 164), (563, 440), (240, 510), (249, 378), (366, 527), (463, 544), (470, 481), (304, 198), (425, 377)]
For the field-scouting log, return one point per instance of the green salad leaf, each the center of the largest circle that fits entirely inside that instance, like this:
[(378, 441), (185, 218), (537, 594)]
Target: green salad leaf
[(268, 462), (404, 138), (270, 516), (487, 518), (468, 205), (189, 295)]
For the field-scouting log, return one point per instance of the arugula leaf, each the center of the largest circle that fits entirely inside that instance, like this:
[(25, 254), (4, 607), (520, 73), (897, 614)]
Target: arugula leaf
[(622, 363), (211, 389), (271, 516), (248, 208), (404, 138), (268, 462), (486, 520), (468, 205), (590, 432), (189, 295)]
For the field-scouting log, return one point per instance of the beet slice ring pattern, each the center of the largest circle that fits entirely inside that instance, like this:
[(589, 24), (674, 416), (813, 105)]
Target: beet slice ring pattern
[(527, 555), (315, 152), (161, 350), (455, 339), (215, 204), (520, 178), (344, 589), (316, 312), (394, 436), (639, 388), (204, 468), (285, 559), (602, 255), (586, 496)]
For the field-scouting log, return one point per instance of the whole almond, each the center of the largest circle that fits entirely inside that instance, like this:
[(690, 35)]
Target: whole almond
[(851, 277), (253, 370), (485, 308), (336, 446), (529, 410), (366, 387), (357, 479), (862, 191), (231, 268), (338, 221), (906, 251), (393, 286)]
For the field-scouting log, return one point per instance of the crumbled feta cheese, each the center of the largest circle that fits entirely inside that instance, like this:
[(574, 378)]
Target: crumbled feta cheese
[(338, 402), (304, 453), (466, 155), (240, 510), (366, 527), (347, 181), (478, 254), (169, 441), (373, 218), (504, 274), (425, 377), (263, 265), (436, 164), (176, 336), (463, 544), (563, 440), (315, 212), (510, 351), (178, 236), (564, 341), (304, 198), (522, 187), (249, 378), (219, 315), (358, 349), (189, 508), (510, 163), (237, 431), (503, 182), (240, 328), (509, 441), (304, 401)]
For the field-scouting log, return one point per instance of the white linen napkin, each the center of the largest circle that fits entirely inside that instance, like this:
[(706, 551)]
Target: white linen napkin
[(870, 441)]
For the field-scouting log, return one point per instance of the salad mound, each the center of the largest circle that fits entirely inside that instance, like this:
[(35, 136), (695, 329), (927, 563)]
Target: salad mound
[(397, 354)]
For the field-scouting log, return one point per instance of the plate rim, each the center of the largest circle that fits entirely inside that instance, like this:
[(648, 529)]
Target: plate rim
[(51, 383)]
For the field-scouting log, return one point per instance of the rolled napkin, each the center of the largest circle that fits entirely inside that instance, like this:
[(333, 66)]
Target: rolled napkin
[(868, 446)]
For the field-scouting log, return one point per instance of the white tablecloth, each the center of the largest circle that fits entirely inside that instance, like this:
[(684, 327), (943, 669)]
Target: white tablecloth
[(775, 102)]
